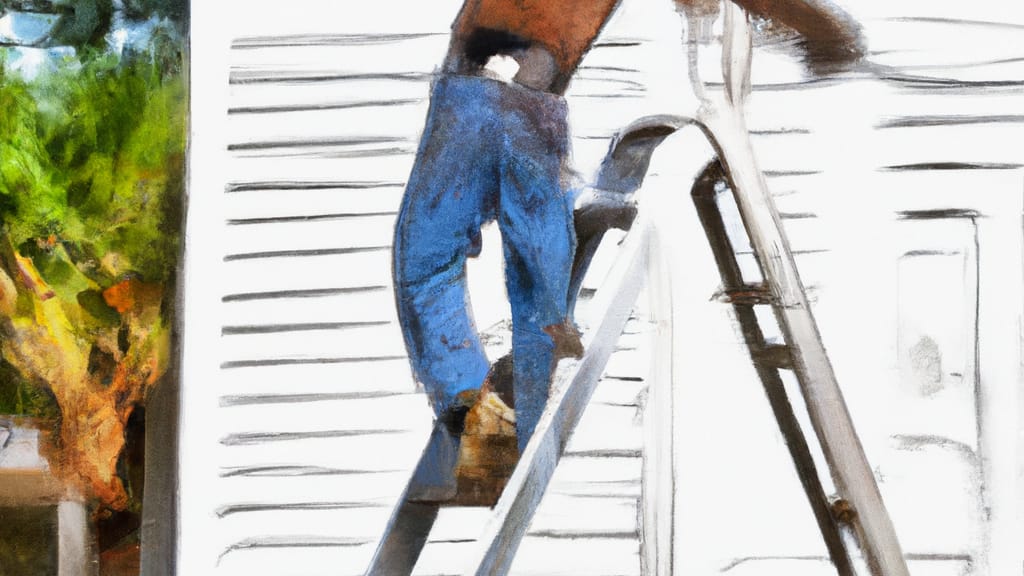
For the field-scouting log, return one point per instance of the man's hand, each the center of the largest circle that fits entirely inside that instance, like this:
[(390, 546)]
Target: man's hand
[(567, 340)]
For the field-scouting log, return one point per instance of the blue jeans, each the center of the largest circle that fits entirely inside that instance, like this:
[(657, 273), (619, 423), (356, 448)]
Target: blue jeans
[(489, 151)]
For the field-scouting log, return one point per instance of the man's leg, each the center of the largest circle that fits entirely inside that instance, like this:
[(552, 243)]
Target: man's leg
[(535, 217), (451, 192)]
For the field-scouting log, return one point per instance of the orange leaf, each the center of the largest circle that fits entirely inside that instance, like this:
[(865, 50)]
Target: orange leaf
[(132, 295)]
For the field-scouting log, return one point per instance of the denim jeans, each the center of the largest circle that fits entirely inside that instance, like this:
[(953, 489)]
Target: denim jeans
[(489, 151)]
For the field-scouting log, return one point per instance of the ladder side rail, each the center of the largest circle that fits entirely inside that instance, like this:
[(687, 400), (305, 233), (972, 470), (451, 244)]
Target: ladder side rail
[(734, 287), (573, 385), (409, 525)]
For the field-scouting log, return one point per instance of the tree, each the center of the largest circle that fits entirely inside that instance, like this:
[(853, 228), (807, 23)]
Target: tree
[(91, 181)]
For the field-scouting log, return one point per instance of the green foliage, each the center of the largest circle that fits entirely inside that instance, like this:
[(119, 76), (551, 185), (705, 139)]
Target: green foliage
[(27, 193), (93, 155), (18, 396)]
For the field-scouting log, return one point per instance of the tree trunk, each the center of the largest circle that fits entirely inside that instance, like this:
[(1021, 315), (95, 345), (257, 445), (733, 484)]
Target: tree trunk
[(91, 441)]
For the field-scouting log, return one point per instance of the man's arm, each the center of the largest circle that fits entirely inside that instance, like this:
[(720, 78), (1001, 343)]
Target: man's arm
[(830, 38)]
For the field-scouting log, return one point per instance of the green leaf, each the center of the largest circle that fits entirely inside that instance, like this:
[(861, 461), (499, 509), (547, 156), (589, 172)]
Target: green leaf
[(19, 397)]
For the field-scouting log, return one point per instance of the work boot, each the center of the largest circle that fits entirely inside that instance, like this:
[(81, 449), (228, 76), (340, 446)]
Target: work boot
[(488, 452)]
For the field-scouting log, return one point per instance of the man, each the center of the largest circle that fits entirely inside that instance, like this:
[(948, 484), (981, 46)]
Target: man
[(495, 149)]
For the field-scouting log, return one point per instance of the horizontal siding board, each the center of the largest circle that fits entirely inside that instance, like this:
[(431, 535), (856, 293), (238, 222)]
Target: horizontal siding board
[(300, 273), (282, 559), (292, 202), (385, 120), (393, 376), (360, 414), (585, 556), (260, 499), (376, 304), (368, 169), (349, 232), (262, 95), (397, 451)]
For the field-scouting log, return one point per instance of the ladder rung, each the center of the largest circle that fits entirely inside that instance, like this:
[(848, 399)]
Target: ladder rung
[(776, 356), (746, 295)]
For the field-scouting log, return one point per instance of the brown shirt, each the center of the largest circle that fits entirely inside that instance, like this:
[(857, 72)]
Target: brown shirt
[(566, 28), (560, 32)]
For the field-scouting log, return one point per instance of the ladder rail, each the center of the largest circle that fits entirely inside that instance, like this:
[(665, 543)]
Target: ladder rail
[(574, 384), (409, 525)]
